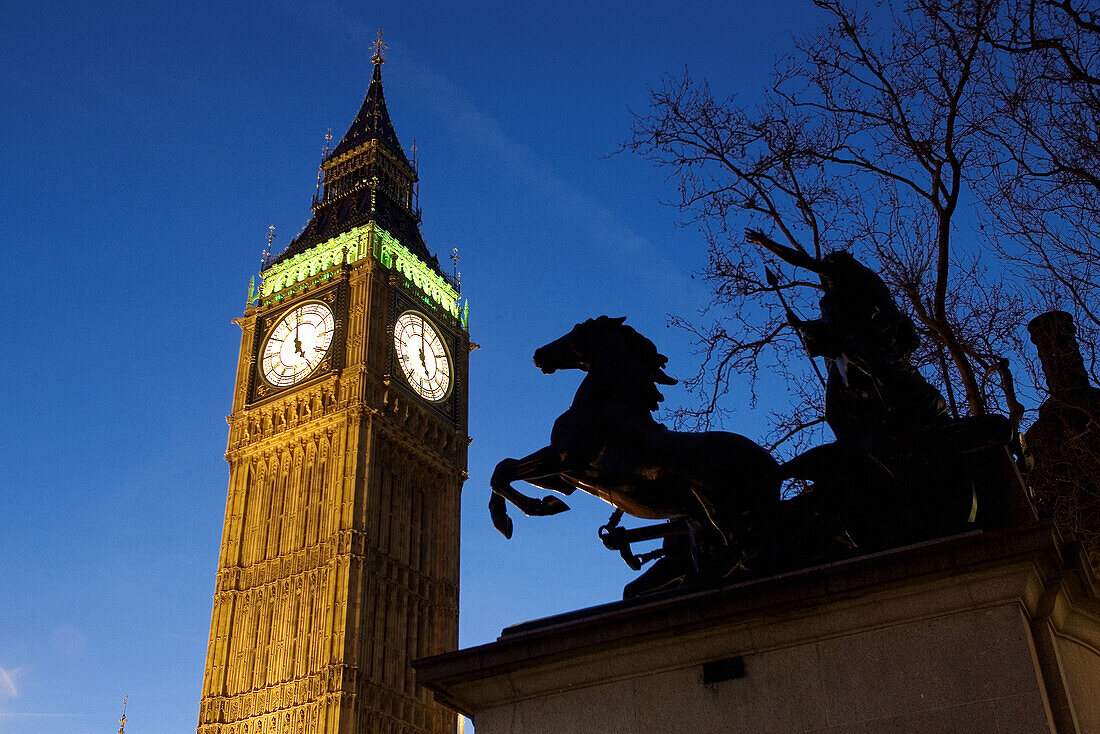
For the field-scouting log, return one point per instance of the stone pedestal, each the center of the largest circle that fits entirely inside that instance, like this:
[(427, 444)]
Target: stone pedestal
[(983, 632)]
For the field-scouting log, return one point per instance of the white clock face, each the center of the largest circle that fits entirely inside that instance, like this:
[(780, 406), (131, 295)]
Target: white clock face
[(422, 356), (297, 344)]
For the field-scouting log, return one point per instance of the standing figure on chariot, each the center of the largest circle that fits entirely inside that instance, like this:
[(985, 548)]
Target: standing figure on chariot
[(901, 469), (873, 389)]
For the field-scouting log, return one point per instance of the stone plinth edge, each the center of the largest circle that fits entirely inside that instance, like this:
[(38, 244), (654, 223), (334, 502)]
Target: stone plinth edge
[(1036, 591)]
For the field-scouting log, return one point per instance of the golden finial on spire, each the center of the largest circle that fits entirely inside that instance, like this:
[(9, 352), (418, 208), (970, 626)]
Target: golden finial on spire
[(379, 50), (122, 721)]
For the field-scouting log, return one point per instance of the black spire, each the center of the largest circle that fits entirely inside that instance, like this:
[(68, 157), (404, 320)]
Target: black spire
[(372, 123), (367, 177)]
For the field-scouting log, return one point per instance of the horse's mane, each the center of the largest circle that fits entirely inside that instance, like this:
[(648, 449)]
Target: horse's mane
[(643, 352)]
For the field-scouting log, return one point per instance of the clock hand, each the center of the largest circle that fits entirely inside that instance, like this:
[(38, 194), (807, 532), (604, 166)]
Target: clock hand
[(424, 364)]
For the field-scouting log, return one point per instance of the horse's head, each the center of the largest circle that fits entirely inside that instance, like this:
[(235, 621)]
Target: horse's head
[(611, 344), (575, 350)]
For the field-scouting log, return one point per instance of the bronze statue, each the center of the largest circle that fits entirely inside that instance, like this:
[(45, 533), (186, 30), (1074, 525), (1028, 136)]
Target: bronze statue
[(713, 486), (900, 470)]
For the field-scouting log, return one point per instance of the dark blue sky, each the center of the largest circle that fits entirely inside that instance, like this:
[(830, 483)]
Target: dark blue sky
[(148, 146)]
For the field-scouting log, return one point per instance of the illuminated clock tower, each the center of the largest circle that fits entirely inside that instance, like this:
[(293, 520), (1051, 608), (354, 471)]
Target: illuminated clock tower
[(347, 454)]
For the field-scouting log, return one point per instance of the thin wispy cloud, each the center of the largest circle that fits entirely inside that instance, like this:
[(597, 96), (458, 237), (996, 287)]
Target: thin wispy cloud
[(8, 688), (483, 132)]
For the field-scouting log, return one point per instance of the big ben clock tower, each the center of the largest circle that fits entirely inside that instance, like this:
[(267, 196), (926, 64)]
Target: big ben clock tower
[(347, 454)]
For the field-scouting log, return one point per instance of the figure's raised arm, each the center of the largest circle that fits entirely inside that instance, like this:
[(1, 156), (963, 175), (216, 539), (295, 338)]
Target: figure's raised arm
[(789, 255)]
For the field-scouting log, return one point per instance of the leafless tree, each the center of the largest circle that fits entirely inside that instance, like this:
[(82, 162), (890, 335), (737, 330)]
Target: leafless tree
[(1043, 190), (867, 141)]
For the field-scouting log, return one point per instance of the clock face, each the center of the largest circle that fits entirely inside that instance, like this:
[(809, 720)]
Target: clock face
[(297, 344), (422, 356)]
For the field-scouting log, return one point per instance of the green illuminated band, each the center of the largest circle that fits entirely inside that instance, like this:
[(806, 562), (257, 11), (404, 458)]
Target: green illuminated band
[(392, 254), (347, 247), (355, 245)]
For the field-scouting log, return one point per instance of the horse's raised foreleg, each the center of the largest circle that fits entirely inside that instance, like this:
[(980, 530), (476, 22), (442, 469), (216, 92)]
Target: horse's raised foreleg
[(544, 463)]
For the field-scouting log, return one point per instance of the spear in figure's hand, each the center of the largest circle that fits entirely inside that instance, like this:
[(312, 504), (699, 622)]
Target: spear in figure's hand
[(793, 320)]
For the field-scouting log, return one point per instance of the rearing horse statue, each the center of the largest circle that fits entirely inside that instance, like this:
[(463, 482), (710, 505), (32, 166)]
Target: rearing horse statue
[(609, 445)]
